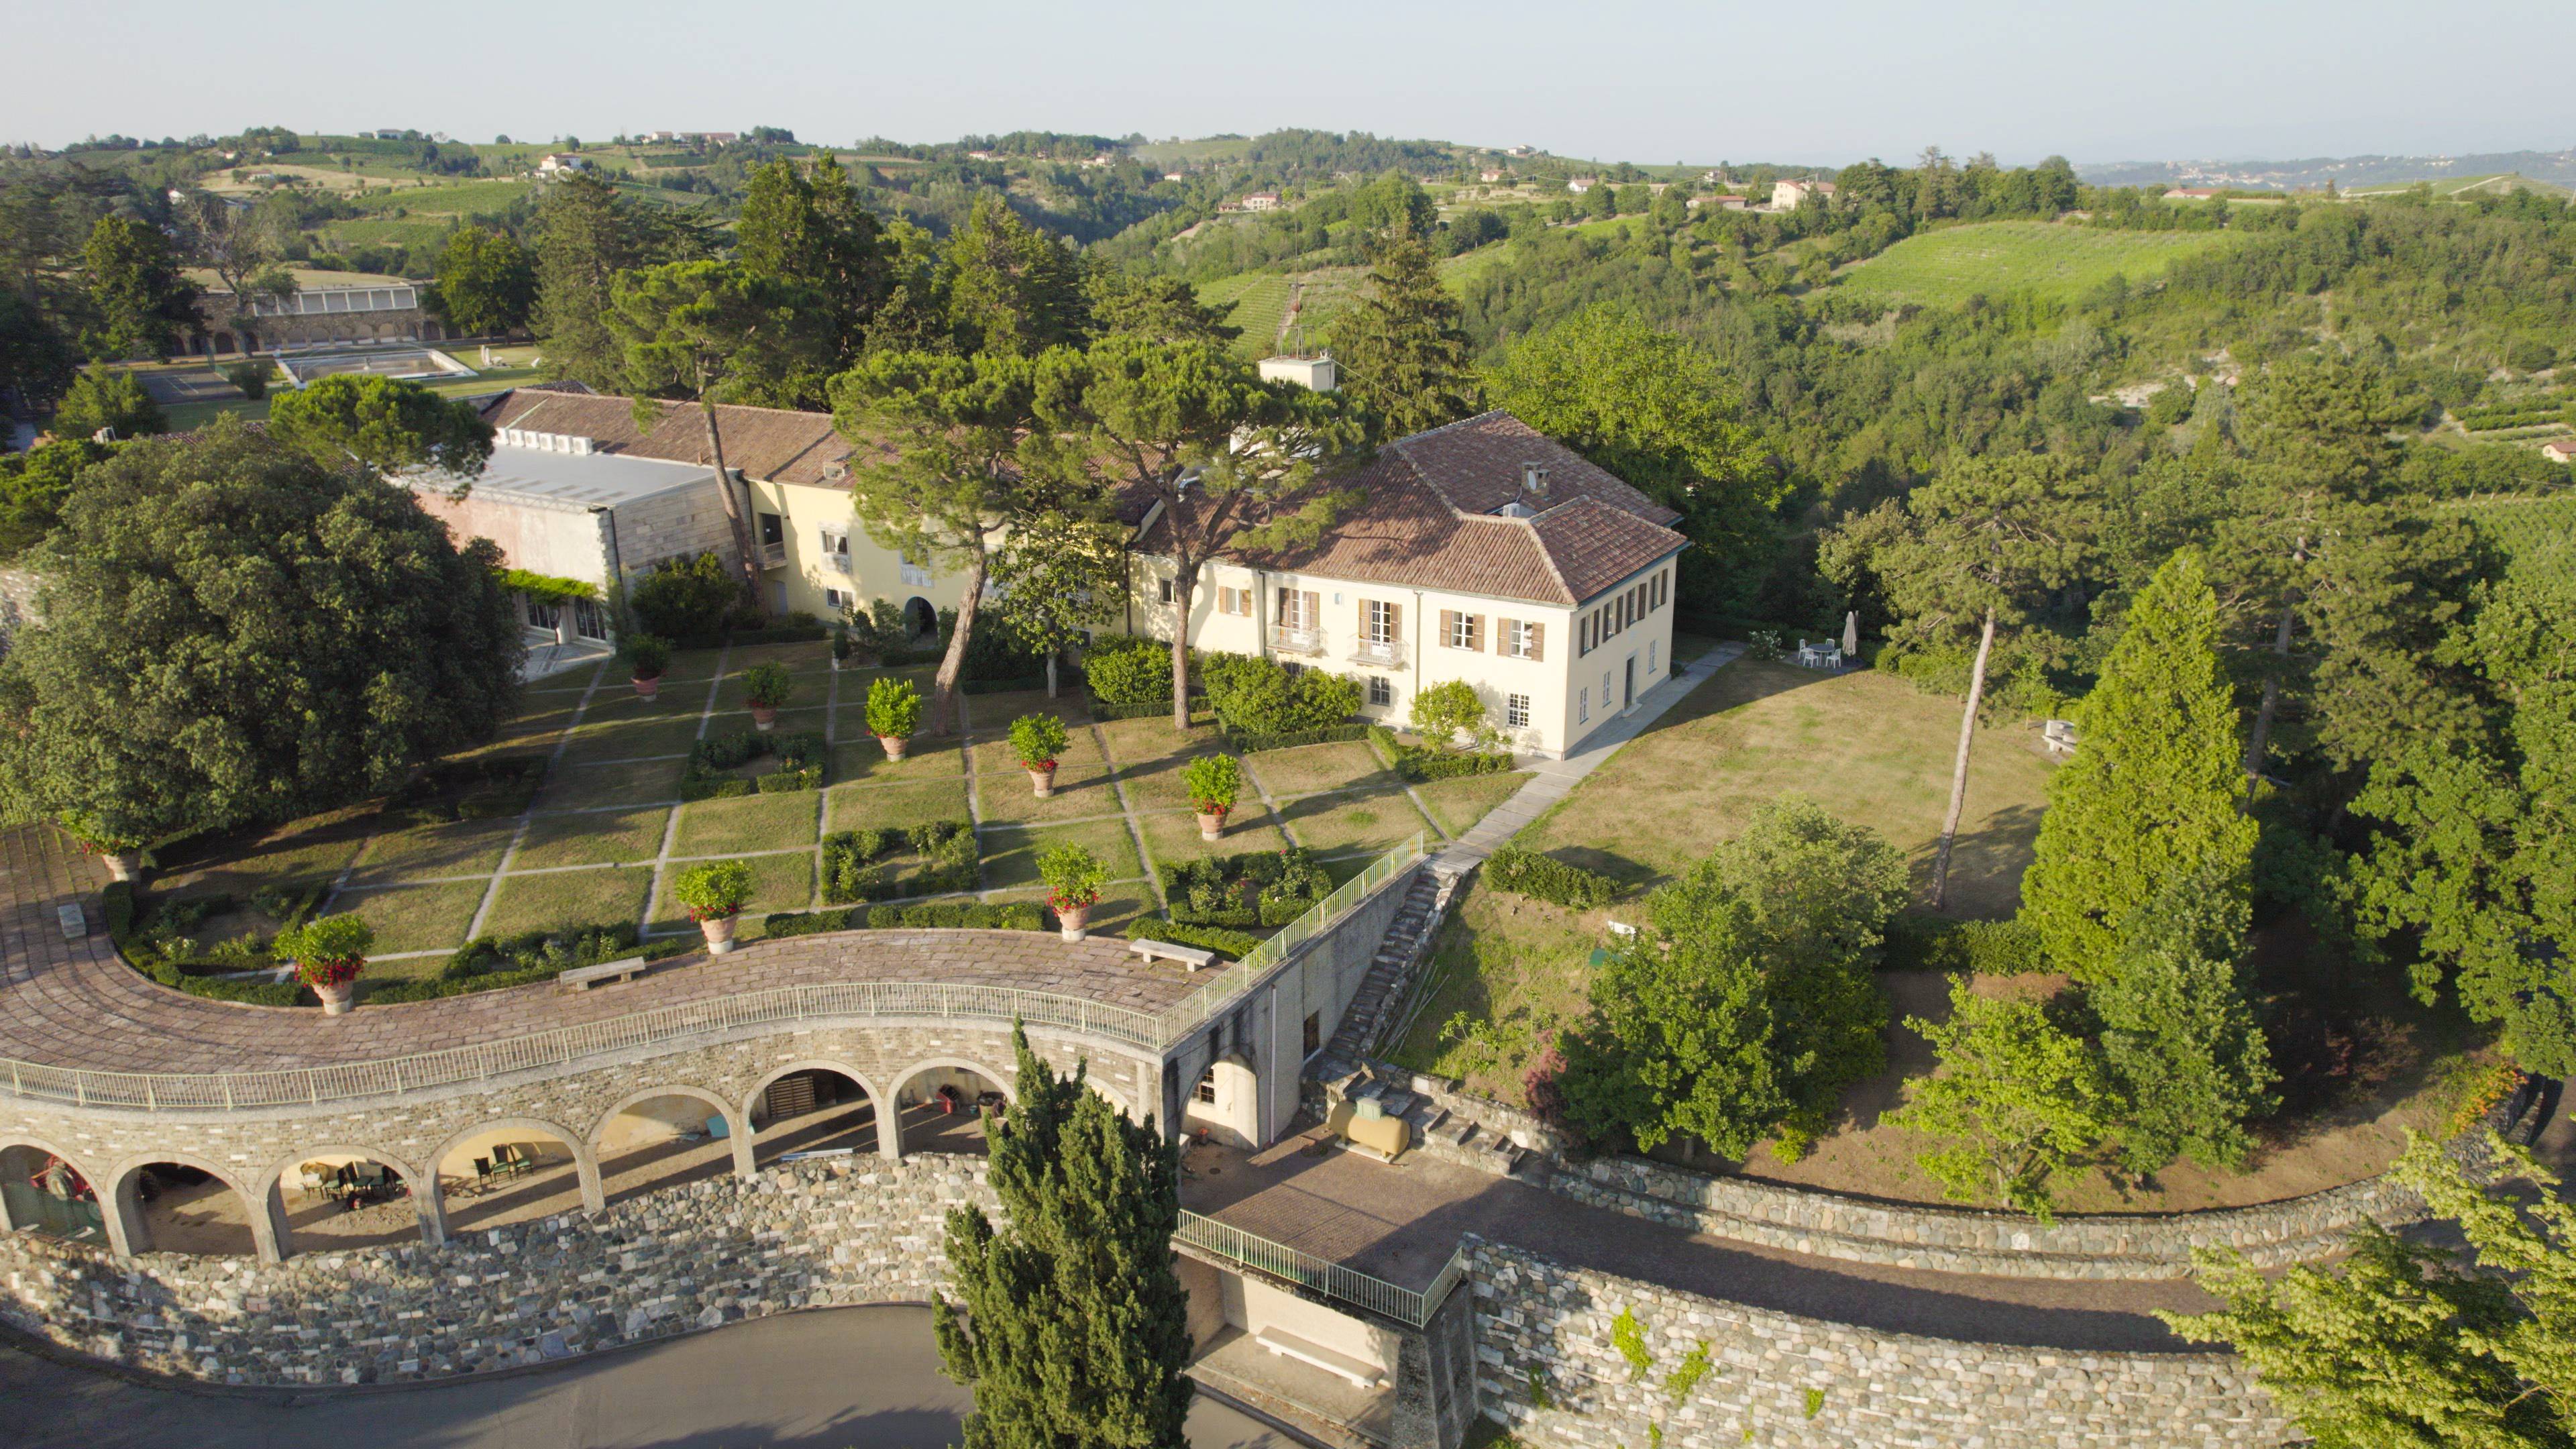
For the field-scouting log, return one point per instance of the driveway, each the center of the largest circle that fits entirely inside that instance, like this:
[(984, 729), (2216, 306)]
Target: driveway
[(842, 1378)]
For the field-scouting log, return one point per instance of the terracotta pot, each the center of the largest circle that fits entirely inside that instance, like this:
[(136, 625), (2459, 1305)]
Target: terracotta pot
[(647, 688), (1074, 922), (1211, 824), (336, 1000), (121, 865), (719, 932), (893, 746), (1043, 779), (764, 717)]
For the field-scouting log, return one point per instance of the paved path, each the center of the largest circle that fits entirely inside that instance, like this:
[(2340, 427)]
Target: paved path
[(1555, 777), (846, 1378)]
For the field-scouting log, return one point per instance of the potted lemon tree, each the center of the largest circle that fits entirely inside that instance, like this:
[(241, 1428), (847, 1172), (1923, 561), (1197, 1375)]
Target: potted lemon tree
[(715, 894), (1073, 877), (121, 854), (328, 952), (1213, 782), (767, 687), (1038, 739), (894, 709), (646, 659)]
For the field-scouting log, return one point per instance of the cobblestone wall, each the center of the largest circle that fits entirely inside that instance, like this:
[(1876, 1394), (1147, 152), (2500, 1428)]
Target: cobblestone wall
[(1549, 1367), (847, 1231)]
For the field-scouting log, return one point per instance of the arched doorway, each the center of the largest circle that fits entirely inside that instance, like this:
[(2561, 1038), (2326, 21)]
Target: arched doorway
[(42, 1191), (920, 620), (813, 1108), (1225, 1105), (168, 1206), (941, 1106), (666, 1137), (513, 1172), (350, 1197)]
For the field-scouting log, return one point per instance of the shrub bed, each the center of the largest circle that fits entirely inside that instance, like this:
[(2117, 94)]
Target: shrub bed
[(1258, 888), (1988, 948), (1245, 744), (1234, 945), (1544, 878), (1129, 670), (1256, 696), (490, 963), (800, 764), (1419, 763), (854, 866), (957, 916)]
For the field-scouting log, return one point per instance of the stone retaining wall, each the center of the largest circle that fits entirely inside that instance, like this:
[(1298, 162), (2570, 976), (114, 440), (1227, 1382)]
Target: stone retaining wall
[(814, 1234), (1549, 1369)]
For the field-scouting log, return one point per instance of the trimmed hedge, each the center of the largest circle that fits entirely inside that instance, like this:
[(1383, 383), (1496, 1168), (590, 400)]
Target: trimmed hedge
[(1917, 942), (956, 916), (1418, 763), (1103, 712), (490, 964), (1129, 670), (1245, 744), (1234, 945), (1258, 888), (1545, 878), (800, 764)]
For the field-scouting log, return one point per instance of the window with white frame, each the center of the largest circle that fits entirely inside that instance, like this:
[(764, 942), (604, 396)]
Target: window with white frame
[(915, 571), (1462, 631), (1520, 639), (1377, 621), (1516, 711), (1582, 705), (1231, 600), (588, 620), (1381, 690), (1650, 654), (1605, 688), (834, 598)]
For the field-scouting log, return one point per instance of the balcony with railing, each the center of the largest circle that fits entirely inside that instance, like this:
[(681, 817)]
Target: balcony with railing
[(773, 555), (1297, 639), (1385, 653)]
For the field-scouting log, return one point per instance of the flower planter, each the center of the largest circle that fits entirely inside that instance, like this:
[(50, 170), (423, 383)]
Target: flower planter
[(764, 716), (121, 865), (1073, 922), (1043, 777), (646, 687), (719, 933), (337, 997), (1211, 824), (893, 746)]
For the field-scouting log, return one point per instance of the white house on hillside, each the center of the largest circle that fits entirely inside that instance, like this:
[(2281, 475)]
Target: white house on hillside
[(1484, 551)]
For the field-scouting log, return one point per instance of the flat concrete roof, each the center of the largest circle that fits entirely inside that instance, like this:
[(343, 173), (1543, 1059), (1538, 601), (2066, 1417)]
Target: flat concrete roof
[(591, 480)]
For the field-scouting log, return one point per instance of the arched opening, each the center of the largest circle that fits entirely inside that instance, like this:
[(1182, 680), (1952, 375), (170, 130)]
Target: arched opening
[(1225, 1104), (664, 1137), (920, 620), (223, 343), (813, 1110), (942, 1106), (179, 1207), (43, 1192), (510, 1173), (336, 1199), (1116, 1099)]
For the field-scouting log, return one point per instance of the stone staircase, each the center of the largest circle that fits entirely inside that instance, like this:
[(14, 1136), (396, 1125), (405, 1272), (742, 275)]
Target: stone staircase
[(1382, 992)]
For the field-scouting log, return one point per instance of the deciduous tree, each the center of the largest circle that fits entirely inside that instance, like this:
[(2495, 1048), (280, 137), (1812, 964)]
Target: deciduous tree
[(2017, 1097), (109, 398), (1075, 1328), (387, 424), (1061, 575), (487, 282)]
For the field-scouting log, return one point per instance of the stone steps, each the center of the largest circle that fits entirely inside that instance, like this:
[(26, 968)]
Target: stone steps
[(1382, 990)]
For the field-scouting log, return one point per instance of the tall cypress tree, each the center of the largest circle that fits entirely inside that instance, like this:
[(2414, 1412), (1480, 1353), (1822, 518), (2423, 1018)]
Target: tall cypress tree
[(813, 233), (1076, 1326), (1401, 350), (2179, 1033), (2151, 798)]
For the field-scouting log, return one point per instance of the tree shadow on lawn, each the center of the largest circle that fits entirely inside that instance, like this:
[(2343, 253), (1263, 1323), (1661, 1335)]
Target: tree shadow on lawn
[(1986, 865), (1632, 875), (1746, 681)]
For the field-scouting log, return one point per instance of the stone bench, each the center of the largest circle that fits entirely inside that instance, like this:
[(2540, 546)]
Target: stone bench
[(1361, 1374), (1189, 956), (582, 978)]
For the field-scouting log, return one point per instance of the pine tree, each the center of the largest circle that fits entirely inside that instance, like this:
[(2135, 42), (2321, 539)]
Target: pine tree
[(812, 233), (1013, 290), (1401, 351), (2179, 1034), (1076, 1327), (143, 302), (586, 234), (2151, 797)]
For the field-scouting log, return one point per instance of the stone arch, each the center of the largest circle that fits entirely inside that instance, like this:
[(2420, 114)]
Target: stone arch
[(737, 1123), (129, 1233), (425, 1208), (585, 1166), (888, 1136), (920, 617), (922, 1118), (100, 1194)]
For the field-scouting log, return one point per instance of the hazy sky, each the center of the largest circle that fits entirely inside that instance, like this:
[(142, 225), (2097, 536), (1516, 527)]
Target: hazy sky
[(1814, 82)]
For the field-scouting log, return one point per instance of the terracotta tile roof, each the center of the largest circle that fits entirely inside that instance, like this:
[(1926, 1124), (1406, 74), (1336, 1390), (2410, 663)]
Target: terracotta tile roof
[(1428, 520), (771, 444)]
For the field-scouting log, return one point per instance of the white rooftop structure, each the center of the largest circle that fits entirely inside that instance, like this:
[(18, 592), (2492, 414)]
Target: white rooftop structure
[(568, 471)]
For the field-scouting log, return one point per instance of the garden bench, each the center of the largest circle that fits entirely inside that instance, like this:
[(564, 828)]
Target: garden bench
[(2059, 736), (582, 978), (1189, 956)]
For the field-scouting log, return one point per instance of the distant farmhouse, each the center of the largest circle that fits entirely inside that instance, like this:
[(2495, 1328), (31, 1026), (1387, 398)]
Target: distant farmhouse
[(2559, 450), (711, 138), (1724, 201), (1581, 184), (1257, 201), (558, 164), (1787, 195)]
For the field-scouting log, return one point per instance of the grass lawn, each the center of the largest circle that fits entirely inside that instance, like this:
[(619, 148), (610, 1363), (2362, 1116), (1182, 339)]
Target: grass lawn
[(1309, 768), (895, 807), (302, 854), (1011, 852), (925, 757), (471, 847), (1172, 835), (602, 837), (1370, 821), (1005, 795), (778, 883), (1150, 754), (591, 787), (416, 918), (564, 899), (2055, 260), (630, 739), (1456, 804), (783, 821)]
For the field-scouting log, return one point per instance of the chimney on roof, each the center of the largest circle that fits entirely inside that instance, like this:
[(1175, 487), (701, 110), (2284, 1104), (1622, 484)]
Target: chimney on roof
[(1534, 482)]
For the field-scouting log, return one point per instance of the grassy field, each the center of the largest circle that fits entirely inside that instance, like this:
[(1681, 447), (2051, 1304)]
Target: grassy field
[(2497, 184), (1993, 258), (1257, 300), (2516, 525), (605, 834)]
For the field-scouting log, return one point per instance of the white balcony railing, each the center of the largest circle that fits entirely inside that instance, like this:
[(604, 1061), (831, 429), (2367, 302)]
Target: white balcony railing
[(1296, 639), (1385, 653), (773, 555)]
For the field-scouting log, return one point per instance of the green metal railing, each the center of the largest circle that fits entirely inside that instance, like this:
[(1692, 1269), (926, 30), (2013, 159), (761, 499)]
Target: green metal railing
[(1322, 1275), (566, 1047)]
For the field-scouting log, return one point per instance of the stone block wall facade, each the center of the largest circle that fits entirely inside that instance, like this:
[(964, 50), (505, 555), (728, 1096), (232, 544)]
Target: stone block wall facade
[(810, 1235), (1550, 1369)]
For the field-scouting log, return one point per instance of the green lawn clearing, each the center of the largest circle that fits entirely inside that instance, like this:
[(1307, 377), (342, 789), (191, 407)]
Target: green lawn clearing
[(1011, 852), (416, 918), (2056, 260), (566, 900), (1458, 803), (602, 837), (783, 821)]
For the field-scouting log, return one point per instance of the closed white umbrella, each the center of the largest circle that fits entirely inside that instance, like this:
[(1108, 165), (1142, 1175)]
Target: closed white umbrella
[(1851, 634)]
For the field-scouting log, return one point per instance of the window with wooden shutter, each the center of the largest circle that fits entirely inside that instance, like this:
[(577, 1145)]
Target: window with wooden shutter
[(1537, 641)]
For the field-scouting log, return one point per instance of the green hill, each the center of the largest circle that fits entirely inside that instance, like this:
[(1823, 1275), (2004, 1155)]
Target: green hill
[(2053, 259)]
